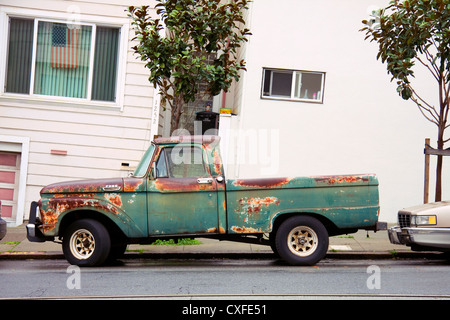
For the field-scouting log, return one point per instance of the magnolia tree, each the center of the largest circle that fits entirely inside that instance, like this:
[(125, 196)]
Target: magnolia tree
[(411, 34), (177, 42)]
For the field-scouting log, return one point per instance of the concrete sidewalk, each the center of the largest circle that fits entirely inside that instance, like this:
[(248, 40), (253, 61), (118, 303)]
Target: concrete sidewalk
[(360, 245)]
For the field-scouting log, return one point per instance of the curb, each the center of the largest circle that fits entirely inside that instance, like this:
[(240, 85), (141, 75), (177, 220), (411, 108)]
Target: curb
[(355, 255)]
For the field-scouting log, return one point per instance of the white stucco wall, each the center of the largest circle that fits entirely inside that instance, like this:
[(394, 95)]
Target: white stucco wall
[(363, 126)]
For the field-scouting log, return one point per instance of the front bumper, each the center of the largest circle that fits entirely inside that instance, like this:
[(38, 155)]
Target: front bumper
[(438, 238), (398, 235), (34, 233)]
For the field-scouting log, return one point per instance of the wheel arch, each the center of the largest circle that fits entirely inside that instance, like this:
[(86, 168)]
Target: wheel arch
[(332, 229), (112, 227)]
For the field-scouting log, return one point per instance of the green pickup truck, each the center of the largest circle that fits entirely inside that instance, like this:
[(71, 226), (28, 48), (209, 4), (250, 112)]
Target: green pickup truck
[(179, 190)]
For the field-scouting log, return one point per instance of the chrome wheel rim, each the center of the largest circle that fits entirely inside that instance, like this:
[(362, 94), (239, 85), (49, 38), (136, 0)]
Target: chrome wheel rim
[(82, 244), (302, 241)]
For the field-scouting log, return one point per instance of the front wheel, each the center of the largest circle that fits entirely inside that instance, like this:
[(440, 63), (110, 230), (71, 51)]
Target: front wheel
[(302, 240), (86, 243)]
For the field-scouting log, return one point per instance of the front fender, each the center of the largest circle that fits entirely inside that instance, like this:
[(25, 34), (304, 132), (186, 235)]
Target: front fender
[(53, 210)]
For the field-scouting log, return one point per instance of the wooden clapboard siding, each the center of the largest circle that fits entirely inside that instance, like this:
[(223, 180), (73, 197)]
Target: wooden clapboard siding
[(98, 8), (125, 155), (96, 140)]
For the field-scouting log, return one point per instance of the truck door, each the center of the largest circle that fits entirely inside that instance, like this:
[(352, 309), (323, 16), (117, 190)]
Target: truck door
[(181, 195)]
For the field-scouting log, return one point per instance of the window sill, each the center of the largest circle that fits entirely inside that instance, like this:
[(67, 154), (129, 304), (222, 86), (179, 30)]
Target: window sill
[(279, 98), (60, 102)]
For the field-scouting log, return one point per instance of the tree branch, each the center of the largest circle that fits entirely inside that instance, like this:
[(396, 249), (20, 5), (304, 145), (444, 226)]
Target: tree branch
[(430, 109), (436, 76), (433, 119), (430, 58)]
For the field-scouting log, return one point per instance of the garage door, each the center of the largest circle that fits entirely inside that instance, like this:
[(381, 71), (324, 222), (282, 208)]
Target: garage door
[(9, 182)]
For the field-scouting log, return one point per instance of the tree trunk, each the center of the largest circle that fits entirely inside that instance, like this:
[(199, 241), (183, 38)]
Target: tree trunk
[(440, 143), (438, 196), (177, 110), (443, 103)]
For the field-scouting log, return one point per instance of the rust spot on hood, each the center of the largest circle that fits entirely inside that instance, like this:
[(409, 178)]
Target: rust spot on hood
[(82, 186)]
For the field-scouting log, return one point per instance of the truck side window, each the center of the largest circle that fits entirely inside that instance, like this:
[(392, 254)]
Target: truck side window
[(161, 166), (181, 162)]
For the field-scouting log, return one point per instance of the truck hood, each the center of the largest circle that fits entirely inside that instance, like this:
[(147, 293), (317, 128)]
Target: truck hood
[(85, 186)]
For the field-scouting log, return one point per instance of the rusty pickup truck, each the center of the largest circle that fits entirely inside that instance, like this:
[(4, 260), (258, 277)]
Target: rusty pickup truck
[(179, 190)]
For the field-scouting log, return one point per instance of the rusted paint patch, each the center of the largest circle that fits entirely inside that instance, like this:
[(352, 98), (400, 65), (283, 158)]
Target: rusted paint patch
[(214, 230), (56, 206), (180, 185), (74, 195), (217, 162), (82, 186), (341, 179), (49, 219), (133, 184), (245, 229), (262, 183), (254, 205), (114, 198)]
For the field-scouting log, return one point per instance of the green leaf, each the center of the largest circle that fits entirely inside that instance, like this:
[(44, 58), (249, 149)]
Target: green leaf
[(180, 63)]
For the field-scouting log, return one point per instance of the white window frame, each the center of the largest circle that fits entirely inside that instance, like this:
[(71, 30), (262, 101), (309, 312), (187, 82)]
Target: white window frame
[(63, 17), (292, 96)]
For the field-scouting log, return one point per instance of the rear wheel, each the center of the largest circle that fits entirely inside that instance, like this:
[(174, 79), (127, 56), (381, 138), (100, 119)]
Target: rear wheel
[(302, 240), (86, 243)]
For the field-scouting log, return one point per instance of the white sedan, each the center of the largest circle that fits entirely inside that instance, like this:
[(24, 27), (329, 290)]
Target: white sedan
[(424, 228)]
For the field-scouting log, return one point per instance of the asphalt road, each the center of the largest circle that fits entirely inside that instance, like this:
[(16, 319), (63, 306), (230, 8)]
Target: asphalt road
[(227, 279)]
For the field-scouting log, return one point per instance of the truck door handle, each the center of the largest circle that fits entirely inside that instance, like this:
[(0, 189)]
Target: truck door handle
[(111, 187), (204, 180)]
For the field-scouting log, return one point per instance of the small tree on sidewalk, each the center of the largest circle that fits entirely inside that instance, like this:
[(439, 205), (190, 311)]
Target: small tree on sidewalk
[(410, 33), (176, 44)]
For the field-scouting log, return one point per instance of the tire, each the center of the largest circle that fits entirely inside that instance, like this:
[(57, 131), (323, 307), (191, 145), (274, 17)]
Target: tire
[(117, 251), (302, 241), (273, 245), (86, 243)]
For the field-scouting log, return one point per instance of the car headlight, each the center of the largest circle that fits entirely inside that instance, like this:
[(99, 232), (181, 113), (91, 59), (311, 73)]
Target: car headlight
[(423, 220)]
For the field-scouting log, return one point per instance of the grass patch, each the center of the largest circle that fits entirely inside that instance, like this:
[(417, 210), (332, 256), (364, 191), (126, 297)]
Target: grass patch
[(180, 242), (394, 253), (345, 237), (11, 242)]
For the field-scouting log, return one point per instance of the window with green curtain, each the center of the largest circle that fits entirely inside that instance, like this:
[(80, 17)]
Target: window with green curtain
[(20, 51), (105, 64), (62, 60), (67, 61)]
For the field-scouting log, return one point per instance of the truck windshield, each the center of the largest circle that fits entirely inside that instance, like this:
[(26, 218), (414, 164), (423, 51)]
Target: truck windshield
[(142, 167)]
